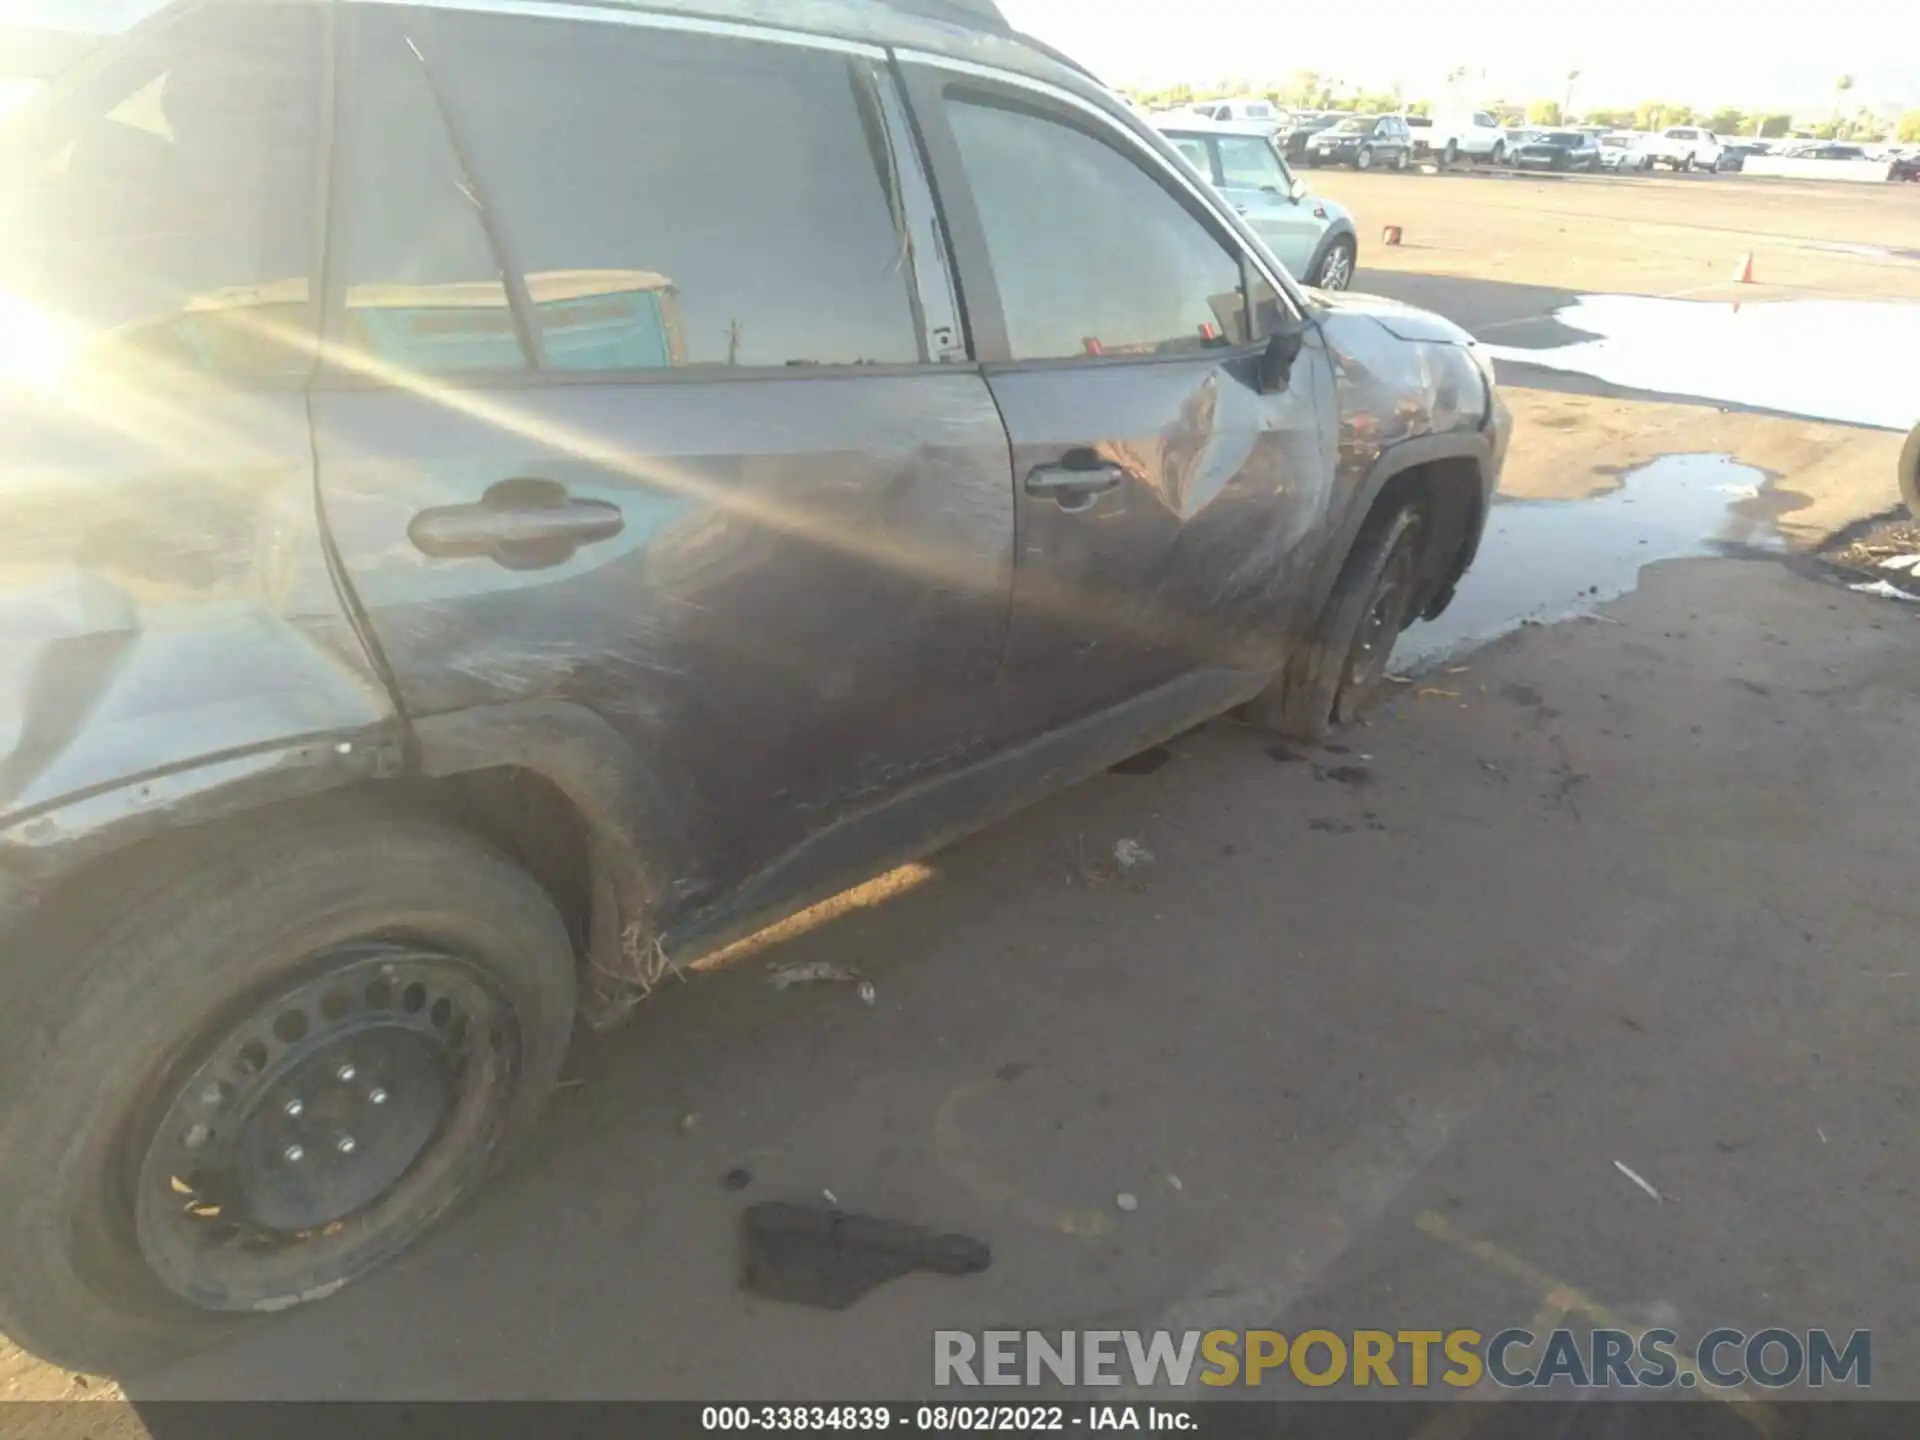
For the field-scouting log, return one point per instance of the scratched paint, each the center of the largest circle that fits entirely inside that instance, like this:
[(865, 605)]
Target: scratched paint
[(1546, 560), (1825, 359)]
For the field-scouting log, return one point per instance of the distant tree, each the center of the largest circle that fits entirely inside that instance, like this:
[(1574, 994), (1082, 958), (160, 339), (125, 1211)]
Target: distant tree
[(1425, 107), (1725, 122), (1773, 127), (1612, 119), (1909, 126), (1544, 112)]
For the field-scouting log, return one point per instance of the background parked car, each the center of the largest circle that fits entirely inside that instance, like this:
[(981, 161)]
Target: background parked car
[(1313, 237), (1364, 142), (1622, 150), (1299, 127), (1233, 110), (1734, 153), (1461, 132), (1421, 128), (1559, 150), (1686, 147)]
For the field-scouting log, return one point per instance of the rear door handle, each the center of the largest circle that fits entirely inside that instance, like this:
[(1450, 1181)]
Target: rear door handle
[(1075, 484), (522, 524)]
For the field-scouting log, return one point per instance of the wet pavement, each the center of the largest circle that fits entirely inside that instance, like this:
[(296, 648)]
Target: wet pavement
[(1546, 560)]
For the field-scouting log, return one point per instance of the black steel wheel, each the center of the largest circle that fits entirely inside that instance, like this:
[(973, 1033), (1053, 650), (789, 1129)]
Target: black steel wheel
[(323, 1126), (250, 1063)]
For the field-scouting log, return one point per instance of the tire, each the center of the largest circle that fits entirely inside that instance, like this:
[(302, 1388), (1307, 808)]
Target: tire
[(1328, 681), (1400, 160), (1363, 160), (129, 997), (1686, 162), (1335, 270), (1498, 155), (1450, 154)]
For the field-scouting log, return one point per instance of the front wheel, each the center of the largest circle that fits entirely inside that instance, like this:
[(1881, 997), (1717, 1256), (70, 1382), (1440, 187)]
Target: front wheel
[(1450, 154), (256, 1064), (1364, 159), (1499, 155), (1686, 163), (1335, 271), (1340, 666), (1400, 160)]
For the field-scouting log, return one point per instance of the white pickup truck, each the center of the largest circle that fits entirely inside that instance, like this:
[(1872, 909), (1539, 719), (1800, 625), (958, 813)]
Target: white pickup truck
[(1475, 134), (1684, 147)]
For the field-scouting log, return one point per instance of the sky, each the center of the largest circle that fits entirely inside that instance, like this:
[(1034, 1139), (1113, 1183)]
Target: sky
[(1704, 53)]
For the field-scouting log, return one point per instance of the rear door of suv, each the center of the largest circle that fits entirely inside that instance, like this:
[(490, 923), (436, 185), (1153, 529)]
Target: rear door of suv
[(641, 397), (1165, 503)]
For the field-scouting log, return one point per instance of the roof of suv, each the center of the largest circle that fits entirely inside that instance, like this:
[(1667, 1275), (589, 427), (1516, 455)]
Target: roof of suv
[(1201, 125)]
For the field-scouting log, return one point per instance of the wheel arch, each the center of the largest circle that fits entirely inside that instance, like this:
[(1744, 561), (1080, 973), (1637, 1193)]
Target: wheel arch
[(1341, 228)]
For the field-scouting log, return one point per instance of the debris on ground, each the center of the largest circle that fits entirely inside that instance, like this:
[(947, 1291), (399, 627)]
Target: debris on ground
[(688, 1122), (830, 1197), (1145, 763), (1883, 589), (1131, 854), (1174, 1180), (1640, 1181), (829, 1258), (1436, 692), (812, 972), (866, 992), (1909, 564), (1126, 1202), (737, 1178), (1285, 754)]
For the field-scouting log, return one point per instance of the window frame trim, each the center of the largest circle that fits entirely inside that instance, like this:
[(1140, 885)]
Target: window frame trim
[(920, 291), (929, 77)]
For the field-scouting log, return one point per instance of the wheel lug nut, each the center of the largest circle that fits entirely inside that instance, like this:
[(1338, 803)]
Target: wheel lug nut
[(345, 1073), (293, 1109), (377, 1096), (345, 1144), (294, 1154), (211, 1095)]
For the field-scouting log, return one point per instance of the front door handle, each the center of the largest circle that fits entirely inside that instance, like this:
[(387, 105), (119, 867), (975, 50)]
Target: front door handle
[(522, 524), (1075, 483)]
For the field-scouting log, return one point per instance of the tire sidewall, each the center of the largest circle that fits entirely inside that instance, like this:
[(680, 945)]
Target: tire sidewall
[(157, 977)]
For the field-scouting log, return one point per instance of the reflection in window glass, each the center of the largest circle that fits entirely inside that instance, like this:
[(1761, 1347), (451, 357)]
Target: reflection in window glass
[(423, 289), (1196, 152), (164, 215), (1249, 161), (1092, 256), (681, 199)]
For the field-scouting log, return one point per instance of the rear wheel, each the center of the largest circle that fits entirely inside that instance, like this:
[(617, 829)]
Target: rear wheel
[(1400, 160), (1340, 667), (1364, 159), (1499, 155), (1450, 154), (257, 1065)]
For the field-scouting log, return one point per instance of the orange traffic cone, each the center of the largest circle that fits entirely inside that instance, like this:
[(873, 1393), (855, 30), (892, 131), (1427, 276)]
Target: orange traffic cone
[(1744, 275)]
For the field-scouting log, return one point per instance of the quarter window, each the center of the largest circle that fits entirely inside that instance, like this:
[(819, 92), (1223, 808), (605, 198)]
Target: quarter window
[(163, 212), (1091, 255)]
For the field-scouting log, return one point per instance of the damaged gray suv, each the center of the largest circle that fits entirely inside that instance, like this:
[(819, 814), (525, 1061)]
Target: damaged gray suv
[(471, 542)]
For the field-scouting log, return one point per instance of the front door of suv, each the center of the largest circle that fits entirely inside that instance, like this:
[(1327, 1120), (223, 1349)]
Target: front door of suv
[(1163, 499), (637, 401)]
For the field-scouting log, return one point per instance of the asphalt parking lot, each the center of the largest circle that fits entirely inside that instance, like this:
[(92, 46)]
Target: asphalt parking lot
[(1369, 1038)]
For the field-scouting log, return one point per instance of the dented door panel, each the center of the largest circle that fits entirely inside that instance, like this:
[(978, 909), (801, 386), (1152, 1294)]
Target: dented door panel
[(1191, 560), (802, 609)]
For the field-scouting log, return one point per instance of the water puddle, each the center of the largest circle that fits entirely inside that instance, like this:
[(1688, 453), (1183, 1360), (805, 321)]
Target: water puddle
[(1547, 560), (1844, 360)]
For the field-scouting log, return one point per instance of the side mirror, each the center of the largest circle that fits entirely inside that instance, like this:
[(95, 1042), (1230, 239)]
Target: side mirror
[(1276, 361), (1297, 191)]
